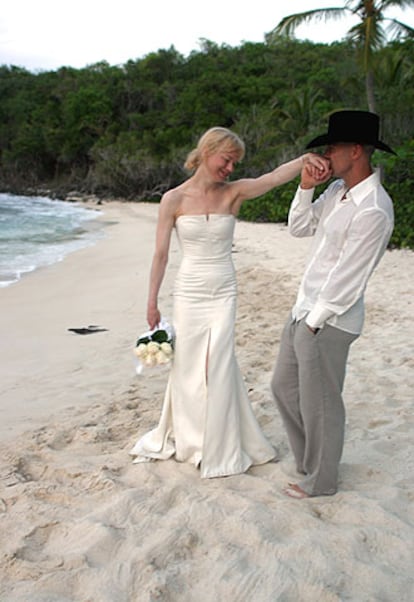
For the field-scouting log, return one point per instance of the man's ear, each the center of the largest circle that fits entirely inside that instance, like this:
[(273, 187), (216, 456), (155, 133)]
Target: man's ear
[(357, 150)]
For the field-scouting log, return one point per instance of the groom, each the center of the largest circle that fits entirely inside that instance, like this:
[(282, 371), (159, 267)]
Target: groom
[(351, 223)]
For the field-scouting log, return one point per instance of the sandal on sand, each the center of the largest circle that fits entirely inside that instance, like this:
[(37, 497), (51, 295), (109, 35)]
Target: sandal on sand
[(295, 491)]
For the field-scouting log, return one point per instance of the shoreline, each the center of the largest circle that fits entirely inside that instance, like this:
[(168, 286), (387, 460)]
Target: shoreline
[(71, 293), (81, 522), (50, 239)]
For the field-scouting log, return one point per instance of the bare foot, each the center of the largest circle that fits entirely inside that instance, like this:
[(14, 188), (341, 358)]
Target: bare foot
[(295, 491)]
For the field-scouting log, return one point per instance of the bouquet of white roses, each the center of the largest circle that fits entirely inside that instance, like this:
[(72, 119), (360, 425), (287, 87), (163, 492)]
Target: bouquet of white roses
[(155, 347)]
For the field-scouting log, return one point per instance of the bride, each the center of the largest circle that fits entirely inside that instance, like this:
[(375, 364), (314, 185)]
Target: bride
[(207, 418)]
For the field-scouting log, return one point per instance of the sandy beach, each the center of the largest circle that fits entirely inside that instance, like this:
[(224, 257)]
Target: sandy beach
[(80, 523)]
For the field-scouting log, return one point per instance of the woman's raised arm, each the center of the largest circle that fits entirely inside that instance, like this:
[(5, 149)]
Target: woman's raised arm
[(249, 188)]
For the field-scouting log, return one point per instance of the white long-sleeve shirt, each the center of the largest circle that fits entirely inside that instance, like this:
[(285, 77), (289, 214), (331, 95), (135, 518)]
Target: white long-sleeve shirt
[(350, 236)]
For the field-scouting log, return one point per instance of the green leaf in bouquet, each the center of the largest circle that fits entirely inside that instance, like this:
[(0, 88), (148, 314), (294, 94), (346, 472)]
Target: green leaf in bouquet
[(160, 336), (143, 340)]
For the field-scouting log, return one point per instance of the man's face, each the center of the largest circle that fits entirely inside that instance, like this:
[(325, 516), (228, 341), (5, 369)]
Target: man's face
[(340, 156)]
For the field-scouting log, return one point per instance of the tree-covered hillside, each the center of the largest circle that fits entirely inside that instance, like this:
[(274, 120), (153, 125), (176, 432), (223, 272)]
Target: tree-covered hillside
[(124, 131)]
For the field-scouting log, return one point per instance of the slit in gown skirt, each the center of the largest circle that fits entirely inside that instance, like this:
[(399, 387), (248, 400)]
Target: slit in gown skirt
[(206, 418)]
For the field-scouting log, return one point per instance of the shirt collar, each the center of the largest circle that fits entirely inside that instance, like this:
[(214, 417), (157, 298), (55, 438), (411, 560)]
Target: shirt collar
[(359, 192)]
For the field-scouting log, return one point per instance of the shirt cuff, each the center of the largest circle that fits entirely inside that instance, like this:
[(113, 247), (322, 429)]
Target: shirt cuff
[(317, 317), (306, 194), (303, 199)]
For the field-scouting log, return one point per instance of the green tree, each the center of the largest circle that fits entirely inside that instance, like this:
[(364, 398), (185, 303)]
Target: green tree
[(367, 36), (124, 131), (297, 117)]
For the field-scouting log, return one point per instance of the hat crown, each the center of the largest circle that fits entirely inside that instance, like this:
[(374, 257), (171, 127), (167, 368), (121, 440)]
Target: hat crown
[(361, 127), (353, 126)]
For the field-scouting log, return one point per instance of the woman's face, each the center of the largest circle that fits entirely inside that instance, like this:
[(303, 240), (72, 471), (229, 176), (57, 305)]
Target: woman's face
[(222, 162)]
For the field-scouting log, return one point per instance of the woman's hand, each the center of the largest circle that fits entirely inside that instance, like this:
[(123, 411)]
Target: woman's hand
[(317, 165), (153, 317), (316, 170)]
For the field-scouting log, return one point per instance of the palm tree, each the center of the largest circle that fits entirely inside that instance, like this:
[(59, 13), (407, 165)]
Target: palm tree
[(368, 35), (294, 119)]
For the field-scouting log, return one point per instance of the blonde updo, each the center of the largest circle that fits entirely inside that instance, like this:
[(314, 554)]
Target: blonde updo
[(210, 142)]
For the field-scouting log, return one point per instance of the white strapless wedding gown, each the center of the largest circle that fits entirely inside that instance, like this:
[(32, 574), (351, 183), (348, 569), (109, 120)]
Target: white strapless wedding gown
[(206, 417)]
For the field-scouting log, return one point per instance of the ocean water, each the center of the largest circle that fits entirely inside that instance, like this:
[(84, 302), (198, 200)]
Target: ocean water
[(37, 231)]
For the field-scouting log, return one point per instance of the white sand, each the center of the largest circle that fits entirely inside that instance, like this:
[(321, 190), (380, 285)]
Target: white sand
[(79, 522)]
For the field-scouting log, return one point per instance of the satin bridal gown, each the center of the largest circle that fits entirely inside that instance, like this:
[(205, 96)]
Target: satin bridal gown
[(206, 417)]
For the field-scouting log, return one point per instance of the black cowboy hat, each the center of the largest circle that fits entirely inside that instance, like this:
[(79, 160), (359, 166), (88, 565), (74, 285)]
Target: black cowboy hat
[(361, 127)]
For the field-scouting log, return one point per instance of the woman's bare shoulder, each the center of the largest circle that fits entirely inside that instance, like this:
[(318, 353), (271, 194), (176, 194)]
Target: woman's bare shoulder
[(171, 200), (175, 194)]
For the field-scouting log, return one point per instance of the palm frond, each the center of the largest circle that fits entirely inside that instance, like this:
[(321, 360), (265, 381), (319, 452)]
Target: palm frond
[(398, 30), (360, 34), (288, 24), (400, 4), (367, 37), (390, 69)]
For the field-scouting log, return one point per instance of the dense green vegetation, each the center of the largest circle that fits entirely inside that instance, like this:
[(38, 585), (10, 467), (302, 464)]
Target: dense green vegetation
[(375, 26), (124, 131)]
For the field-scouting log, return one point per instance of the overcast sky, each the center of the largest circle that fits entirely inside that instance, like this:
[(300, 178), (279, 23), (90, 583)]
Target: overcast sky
[(48, 34)]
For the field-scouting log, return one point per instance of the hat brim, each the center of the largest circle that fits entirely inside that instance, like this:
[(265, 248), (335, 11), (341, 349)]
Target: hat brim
[(326, 139)]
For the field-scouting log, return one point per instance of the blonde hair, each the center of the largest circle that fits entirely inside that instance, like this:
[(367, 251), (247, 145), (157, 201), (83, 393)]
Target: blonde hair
[(210, 142)]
